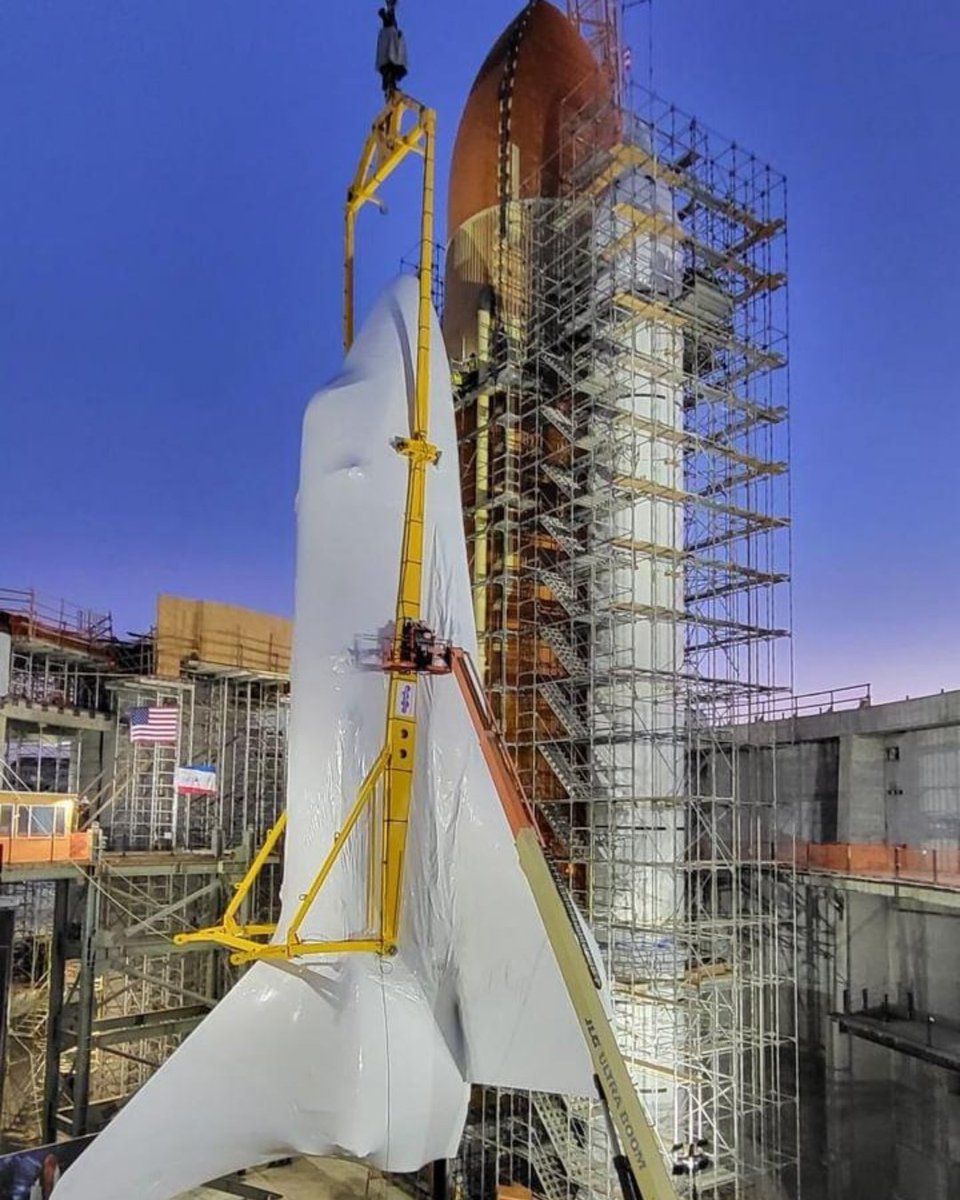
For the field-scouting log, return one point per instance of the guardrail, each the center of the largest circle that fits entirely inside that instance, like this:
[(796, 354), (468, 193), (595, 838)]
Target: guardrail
[(784, 707), (39, 850), (915, 864), (42, 616)]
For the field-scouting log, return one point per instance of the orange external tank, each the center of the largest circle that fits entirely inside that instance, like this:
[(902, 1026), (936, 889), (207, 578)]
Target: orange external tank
[(506, 158)]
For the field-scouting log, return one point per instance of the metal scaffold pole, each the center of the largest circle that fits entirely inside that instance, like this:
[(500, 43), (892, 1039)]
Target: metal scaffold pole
[(103, 995), (624, 461)]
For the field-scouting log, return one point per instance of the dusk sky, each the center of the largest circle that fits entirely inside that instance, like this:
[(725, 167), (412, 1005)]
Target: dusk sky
[(173, 174)]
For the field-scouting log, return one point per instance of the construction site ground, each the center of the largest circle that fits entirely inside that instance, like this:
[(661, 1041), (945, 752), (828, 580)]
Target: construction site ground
[(313, 1179)]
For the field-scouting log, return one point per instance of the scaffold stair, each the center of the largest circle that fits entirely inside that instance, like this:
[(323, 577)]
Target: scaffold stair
[(591, 779), (564, 593), (560, 534), (549, 1168), (561, 369), (555, 1116), (560, 419), (557, 818), (562, 709), (563, 479), (574, 665), (575, 788)]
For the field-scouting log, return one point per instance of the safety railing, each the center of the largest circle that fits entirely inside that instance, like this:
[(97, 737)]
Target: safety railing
[(41, 849), (787, 706), (916, 864), (43, 617)]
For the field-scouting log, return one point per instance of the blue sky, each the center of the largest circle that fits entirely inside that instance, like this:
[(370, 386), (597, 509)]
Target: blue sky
[(170, 241)]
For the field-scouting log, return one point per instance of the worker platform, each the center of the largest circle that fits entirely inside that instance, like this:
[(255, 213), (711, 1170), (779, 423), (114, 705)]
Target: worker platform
[(934, 1039), (924, 875)]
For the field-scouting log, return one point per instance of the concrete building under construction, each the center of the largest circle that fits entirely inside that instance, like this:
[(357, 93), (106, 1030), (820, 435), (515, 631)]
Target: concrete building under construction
[(772, 881), (108, 849)]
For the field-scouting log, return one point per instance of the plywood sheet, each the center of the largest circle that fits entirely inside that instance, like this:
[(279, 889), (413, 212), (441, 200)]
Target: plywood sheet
[(207, 633)]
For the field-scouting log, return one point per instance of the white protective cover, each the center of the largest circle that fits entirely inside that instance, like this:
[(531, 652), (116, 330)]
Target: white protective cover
[(356, 1055)]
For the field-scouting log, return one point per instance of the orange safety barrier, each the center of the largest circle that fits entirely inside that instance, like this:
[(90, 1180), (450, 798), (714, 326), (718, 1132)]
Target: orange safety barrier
[(39, 849), (877, 860)]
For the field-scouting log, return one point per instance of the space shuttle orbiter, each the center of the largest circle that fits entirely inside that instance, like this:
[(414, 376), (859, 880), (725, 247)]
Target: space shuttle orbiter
[(423, 944), (363, 1054)]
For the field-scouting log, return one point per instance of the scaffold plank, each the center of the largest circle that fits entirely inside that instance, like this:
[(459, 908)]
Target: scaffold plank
[(648, 310)]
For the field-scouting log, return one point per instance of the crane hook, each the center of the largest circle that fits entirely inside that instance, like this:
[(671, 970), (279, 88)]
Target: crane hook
[(391, 50)]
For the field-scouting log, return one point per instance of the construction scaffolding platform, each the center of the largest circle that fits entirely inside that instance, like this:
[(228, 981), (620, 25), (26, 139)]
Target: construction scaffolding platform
[(624, 459), (106, 856), (933, 1038)]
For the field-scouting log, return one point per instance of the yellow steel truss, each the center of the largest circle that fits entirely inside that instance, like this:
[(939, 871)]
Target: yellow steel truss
[(402, 128)]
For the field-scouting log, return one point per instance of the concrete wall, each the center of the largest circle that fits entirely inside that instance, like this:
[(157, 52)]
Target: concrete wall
[(886, 773), (877, 1124), (892, 1128), (807, 786)]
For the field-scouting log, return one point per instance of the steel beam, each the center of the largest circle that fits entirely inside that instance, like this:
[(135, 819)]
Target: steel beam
[(51, 1070), (86, 999)]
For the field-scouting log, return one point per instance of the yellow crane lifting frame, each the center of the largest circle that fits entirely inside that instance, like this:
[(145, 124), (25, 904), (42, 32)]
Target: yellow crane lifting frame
[(403, 127)]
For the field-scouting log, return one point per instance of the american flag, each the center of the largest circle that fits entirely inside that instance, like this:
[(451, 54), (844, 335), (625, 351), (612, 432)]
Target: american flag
[(154, 724)]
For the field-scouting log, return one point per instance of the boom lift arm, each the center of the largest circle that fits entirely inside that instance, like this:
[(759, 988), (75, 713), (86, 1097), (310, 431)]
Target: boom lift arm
[(639, 1164)]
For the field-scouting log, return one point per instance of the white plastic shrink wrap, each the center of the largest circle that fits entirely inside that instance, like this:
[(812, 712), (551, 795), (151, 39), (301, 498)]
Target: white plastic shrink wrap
[(356, 1055)]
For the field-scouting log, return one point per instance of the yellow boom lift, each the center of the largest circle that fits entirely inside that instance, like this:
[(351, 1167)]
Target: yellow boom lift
[(405, 127)]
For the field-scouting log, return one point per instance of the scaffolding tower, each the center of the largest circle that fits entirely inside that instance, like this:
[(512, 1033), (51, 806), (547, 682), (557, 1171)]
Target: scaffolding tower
[(101, 995), (600, 23), (624, 455)]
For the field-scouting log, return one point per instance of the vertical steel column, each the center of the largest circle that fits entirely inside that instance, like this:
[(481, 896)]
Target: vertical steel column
[(79, 1113), (51, 1072), (6, 974)]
